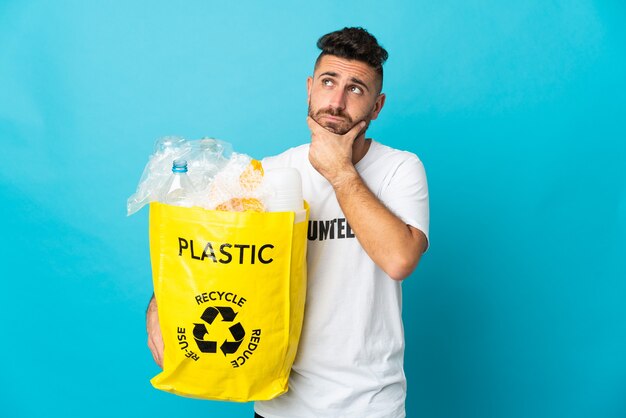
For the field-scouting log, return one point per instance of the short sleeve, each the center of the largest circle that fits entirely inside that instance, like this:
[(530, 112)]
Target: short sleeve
[(276, 161), (284, 159), (406, 194)]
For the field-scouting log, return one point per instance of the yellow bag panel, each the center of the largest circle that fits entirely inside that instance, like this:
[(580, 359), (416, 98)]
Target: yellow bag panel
[(230, 290)]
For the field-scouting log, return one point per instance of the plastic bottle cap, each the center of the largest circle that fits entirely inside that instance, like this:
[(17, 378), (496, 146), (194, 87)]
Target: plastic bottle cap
[(179, 166)]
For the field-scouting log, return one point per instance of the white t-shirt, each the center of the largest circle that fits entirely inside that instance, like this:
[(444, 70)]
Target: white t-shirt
[(351, 352)]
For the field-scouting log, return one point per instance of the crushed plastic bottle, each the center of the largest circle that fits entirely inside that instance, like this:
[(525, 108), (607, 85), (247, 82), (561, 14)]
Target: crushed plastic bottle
[(205, 157), (178, 190), (157, 171)]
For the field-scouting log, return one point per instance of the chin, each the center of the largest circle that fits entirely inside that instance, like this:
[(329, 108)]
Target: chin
[(332, 128)]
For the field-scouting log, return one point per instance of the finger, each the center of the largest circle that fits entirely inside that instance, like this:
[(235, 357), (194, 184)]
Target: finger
[(356, 130), (158, 344), (156, 348), (159, 357), (313, 125), (153, 351)]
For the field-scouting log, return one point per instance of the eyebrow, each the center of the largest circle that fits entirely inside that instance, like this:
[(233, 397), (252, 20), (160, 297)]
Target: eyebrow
[(353, 79)]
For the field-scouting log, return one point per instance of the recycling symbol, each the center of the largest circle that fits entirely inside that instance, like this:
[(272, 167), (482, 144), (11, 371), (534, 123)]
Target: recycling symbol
[(200, 331)]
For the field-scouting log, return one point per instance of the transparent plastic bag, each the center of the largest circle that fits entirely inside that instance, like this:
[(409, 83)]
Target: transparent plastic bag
[(221, 178)]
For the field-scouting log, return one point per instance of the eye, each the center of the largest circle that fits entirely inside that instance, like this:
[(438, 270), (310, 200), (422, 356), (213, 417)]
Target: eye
[(356, 90), (327, 82)]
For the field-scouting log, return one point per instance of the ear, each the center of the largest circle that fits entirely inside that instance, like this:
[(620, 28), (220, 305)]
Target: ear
[(378, 106), (309, 84)]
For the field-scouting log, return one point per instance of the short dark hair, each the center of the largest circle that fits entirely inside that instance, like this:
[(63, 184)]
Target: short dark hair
[(354, 44)]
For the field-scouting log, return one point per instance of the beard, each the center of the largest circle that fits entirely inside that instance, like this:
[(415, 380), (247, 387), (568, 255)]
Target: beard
[(339, 128)]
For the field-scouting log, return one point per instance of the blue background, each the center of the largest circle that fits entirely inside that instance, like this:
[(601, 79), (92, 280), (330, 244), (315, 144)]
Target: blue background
[(517, 110)]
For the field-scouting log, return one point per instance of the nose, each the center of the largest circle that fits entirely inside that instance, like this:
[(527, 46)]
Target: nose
[(338, 99)]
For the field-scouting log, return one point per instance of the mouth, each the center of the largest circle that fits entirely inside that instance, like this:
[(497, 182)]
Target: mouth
[(332, 118)]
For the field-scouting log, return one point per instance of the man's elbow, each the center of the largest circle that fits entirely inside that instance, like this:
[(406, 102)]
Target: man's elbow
[(408, 256), (402, 267)]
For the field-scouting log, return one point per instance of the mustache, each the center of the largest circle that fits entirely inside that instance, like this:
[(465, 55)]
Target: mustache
[(332, 111)]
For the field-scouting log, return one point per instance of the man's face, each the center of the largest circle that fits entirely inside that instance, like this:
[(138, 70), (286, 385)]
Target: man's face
[(343, 93)]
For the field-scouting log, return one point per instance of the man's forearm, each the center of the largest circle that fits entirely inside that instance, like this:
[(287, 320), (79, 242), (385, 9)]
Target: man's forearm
[(389, 242), (152, 305)]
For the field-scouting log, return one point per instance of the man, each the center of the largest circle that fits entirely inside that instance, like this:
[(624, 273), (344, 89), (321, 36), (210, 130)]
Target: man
[(368, 230)]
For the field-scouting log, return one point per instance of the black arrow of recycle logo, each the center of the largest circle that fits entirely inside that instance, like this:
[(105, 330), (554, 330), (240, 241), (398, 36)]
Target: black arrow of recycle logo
[(236, 330)]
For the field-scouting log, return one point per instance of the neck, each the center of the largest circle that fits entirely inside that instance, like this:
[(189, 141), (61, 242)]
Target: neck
[(360, 147)]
